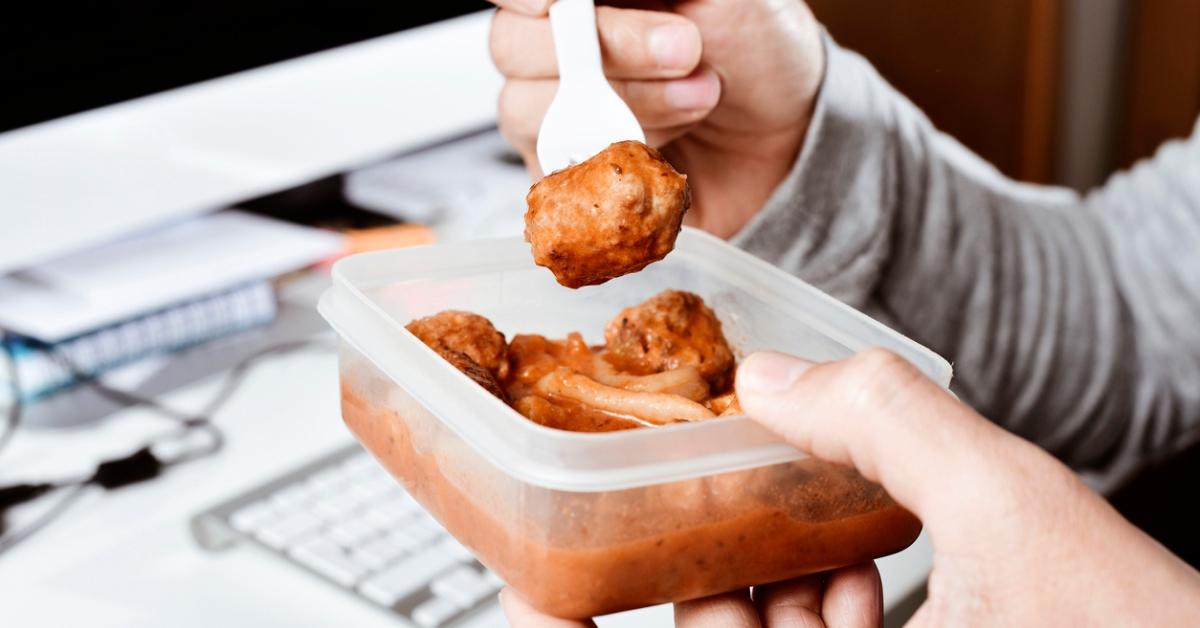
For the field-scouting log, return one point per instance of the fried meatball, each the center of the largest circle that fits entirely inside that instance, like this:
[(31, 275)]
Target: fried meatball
[(466, 333), (668, 331), (606, 217)]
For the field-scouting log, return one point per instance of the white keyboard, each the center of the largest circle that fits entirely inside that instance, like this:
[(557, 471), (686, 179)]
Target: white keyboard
[(343, 518)]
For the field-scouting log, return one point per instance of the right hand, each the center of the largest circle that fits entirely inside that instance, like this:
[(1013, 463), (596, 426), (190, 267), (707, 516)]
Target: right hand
[(1018, 540), (725, 88)]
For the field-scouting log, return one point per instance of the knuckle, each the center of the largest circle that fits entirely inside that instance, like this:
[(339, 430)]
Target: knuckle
[(883, 361), (506, 109), (500, 42), (877, 378), (621, 34), (504, 103), (512, 120)]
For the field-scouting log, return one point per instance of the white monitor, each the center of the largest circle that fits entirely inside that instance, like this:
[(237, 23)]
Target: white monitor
[(91, 176)]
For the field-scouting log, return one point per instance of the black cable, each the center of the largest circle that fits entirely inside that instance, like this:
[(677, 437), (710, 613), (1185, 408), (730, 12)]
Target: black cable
[(143, 464), (12, 539)]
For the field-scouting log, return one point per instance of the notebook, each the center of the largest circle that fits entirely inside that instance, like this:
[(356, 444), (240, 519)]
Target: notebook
[(172, 328)]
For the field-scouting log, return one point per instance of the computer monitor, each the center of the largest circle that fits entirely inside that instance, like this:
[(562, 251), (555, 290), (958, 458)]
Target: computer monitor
[(120, 117)]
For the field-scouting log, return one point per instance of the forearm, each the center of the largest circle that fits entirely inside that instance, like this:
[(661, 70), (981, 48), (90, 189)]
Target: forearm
[(1017, 285)]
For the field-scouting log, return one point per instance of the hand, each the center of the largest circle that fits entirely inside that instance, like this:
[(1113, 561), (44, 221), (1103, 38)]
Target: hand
[(724, 88), (850, 597), (1018, 540)]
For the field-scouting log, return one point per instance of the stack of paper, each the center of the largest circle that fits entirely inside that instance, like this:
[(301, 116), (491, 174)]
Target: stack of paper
[(153, 292)]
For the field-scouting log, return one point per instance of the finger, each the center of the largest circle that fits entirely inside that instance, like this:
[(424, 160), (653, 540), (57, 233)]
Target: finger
[(853, 597), (732, 610), (634, 44), (879, 414), (657, 104), (793, 603), (524, 7), (526, 147), (521, 614)]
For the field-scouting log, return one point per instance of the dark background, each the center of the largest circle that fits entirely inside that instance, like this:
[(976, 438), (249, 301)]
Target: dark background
[(60, 58)]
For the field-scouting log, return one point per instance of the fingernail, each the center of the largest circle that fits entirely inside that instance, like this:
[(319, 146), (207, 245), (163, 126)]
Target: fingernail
[(699, 91), (770, 373), (674, 45)]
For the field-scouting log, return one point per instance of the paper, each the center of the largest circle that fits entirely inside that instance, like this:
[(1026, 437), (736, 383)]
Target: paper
[(151, 270)]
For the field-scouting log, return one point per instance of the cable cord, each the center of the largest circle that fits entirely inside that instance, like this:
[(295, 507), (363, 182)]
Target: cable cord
[(11, 539), (141, 465)]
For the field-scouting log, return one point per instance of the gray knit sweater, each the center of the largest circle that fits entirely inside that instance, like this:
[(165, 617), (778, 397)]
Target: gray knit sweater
[(1071, 320)]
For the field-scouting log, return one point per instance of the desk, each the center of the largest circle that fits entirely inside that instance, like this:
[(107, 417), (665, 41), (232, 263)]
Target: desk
[(127, 559)]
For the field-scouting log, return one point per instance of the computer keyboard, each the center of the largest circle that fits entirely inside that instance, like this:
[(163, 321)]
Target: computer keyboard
[(343, 518)]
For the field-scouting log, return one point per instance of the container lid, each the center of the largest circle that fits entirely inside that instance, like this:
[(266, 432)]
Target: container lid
[(374, 295)]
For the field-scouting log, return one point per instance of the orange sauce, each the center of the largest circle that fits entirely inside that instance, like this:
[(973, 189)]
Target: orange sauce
[(609, 552)]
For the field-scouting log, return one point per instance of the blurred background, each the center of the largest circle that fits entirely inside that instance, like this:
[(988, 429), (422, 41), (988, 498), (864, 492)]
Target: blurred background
[(1049, 91), (177, 178)]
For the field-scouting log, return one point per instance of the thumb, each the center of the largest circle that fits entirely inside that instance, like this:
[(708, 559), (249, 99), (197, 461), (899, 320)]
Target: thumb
[(879, 414)]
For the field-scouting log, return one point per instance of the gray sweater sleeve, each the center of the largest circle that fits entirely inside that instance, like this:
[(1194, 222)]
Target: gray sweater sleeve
[(1072, 320)]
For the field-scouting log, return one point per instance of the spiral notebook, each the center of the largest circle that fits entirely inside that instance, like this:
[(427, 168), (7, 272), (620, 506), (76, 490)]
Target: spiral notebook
[(40, 372)]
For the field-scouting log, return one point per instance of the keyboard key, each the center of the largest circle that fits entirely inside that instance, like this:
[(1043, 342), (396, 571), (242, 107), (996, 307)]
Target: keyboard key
[(292, 497), (456, 549), (387, 490), (371, 561), (252, 516), (406, 577), (327, 559), (361, 465), (464, 586), (288, 530), (404, 541), (337, 506), (384, 519), (327, 481), (384, 550), (419, 531), (366, 491), (397, 510), (434, 612), (352, 532)]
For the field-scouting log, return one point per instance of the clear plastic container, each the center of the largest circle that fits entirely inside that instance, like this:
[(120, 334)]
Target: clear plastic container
[(587, 524)]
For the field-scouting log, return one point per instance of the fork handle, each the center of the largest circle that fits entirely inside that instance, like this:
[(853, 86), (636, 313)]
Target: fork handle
[(576, 43)]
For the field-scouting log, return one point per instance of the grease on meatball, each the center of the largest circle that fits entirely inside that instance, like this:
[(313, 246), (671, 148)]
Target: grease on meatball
[(670, 330), (609, 216)]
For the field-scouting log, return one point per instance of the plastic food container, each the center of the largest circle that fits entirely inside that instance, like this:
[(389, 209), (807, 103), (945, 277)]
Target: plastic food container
[(588, 524)]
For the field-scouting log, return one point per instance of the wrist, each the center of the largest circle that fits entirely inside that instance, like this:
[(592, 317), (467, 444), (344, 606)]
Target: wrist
[(730, 184)]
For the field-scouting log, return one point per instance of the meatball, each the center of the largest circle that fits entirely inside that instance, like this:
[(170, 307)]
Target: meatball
[(670, 330), (606, 217), (469, 334)]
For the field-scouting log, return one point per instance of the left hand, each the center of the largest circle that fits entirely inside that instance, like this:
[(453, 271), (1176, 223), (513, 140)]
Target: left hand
[(850, 597)]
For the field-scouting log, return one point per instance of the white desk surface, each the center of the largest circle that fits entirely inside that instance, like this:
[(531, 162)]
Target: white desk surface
[(126, 558)]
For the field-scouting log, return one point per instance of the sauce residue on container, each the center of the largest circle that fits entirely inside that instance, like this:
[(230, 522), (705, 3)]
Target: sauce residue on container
[(587, 554)]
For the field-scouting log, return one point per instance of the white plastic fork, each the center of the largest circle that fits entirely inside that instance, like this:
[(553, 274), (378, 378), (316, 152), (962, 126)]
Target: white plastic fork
[(586, 114)]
